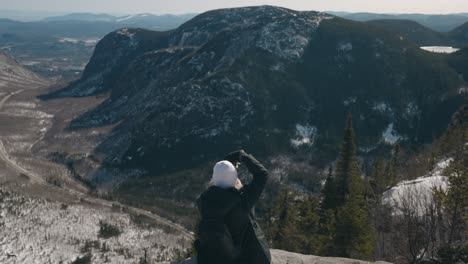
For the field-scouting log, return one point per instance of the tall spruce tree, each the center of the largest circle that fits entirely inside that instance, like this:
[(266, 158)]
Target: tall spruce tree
[(354, 235), (328, 205), (378, 180), (392, 169), (286, 228), (328, 193), (456, 202), (348, 164)]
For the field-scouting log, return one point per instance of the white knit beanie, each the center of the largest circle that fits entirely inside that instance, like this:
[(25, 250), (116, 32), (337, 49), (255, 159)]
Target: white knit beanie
[(224, 175)]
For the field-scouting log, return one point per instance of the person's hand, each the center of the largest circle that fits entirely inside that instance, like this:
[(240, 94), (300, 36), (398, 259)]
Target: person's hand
[(235, 156)]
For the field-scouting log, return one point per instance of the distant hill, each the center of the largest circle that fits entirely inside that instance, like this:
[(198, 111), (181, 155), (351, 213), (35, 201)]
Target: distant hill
[(146, 20), (460, 34), (441, 23), (62, 45), (82, 16), (414, 32)]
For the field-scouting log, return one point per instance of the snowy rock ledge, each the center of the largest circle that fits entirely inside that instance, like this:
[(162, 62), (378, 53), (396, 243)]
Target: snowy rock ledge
[(285, 257)]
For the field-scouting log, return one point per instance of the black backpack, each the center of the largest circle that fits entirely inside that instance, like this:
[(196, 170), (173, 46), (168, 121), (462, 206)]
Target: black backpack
[(215, 243)]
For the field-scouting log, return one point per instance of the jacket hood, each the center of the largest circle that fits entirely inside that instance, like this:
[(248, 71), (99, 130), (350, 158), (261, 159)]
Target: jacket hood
[(216, 202)]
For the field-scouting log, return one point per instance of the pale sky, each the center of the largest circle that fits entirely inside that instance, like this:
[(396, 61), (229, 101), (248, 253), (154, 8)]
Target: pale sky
[(197, 6)]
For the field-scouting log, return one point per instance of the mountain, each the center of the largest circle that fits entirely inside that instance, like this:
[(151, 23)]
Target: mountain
[(150, 21), (441, 23), (82, 16), (24, 15), (415, 32), (264, 78), (61, 46), (460, 33), (12, 74)]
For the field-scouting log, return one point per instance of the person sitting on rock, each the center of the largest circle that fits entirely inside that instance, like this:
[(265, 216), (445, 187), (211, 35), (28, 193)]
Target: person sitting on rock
[(228, 232)]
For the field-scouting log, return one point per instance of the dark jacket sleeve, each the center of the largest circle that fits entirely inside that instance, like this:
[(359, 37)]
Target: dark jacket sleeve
[(251, 192)]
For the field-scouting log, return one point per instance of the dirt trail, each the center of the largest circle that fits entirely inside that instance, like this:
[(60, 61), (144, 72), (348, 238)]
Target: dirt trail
[(4, 156)]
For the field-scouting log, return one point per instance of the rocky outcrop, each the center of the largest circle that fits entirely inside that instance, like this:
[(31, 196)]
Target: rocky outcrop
[(285, 257)]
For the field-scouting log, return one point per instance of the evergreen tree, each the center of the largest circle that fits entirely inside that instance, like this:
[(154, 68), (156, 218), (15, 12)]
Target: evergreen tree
[(378, 181), (347, 164), (308, 224), (456, 200), (392, 169), (328, 193), (328, 206), (354, 236), (285, 234)]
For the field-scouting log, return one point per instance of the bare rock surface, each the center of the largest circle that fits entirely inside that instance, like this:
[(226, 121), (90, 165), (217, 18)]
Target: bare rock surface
[(285, 257)]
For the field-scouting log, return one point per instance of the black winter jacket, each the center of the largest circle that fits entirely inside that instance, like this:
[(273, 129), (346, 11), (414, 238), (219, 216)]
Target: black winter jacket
[(227, 232)]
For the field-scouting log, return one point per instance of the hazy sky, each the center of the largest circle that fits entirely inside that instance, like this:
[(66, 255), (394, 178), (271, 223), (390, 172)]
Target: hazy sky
[(196, 6)]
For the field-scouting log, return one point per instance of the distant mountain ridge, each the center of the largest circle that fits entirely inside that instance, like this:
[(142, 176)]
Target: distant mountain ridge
[(265, 78), (145, 20), (82, 16), (441, 23)]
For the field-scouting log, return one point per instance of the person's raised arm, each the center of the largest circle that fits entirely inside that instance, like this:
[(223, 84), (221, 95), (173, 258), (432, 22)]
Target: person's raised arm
[(252, 191)]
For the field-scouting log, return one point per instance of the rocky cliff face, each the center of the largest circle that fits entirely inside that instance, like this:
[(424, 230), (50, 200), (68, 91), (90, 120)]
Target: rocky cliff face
[(265, 78)]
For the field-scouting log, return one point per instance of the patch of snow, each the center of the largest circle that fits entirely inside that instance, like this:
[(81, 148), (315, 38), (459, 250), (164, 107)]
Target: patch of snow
[(350, 100), (344, 46), (440, 49), (125, 18), (414, 195), (305, 135), (441, 166), (276, 67), (69, 40), (463, 90), (39, 231), (411, 109), (368, 149), (418, 194), (382, 107), (126, 32), (390, 136)]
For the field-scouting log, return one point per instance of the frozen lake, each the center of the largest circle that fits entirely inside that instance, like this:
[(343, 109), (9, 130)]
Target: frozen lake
[(440, 49)]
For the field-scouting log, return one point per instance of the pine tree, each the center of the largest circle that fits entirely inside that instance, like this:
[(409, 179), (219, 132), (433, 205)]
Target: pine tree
[(308, 224), (328, 206), (328, 193), (348, 164), (354, 236), (456, 201), (392, 169), (378, 180), (285, 232)]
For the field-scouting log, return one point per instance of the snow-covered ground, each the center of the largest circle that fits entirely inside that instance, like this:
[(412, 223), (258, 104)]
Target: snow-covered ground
[(417, 194), (440, 49), (87, 42), (390, 136), (305, 135), (38, 231)]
